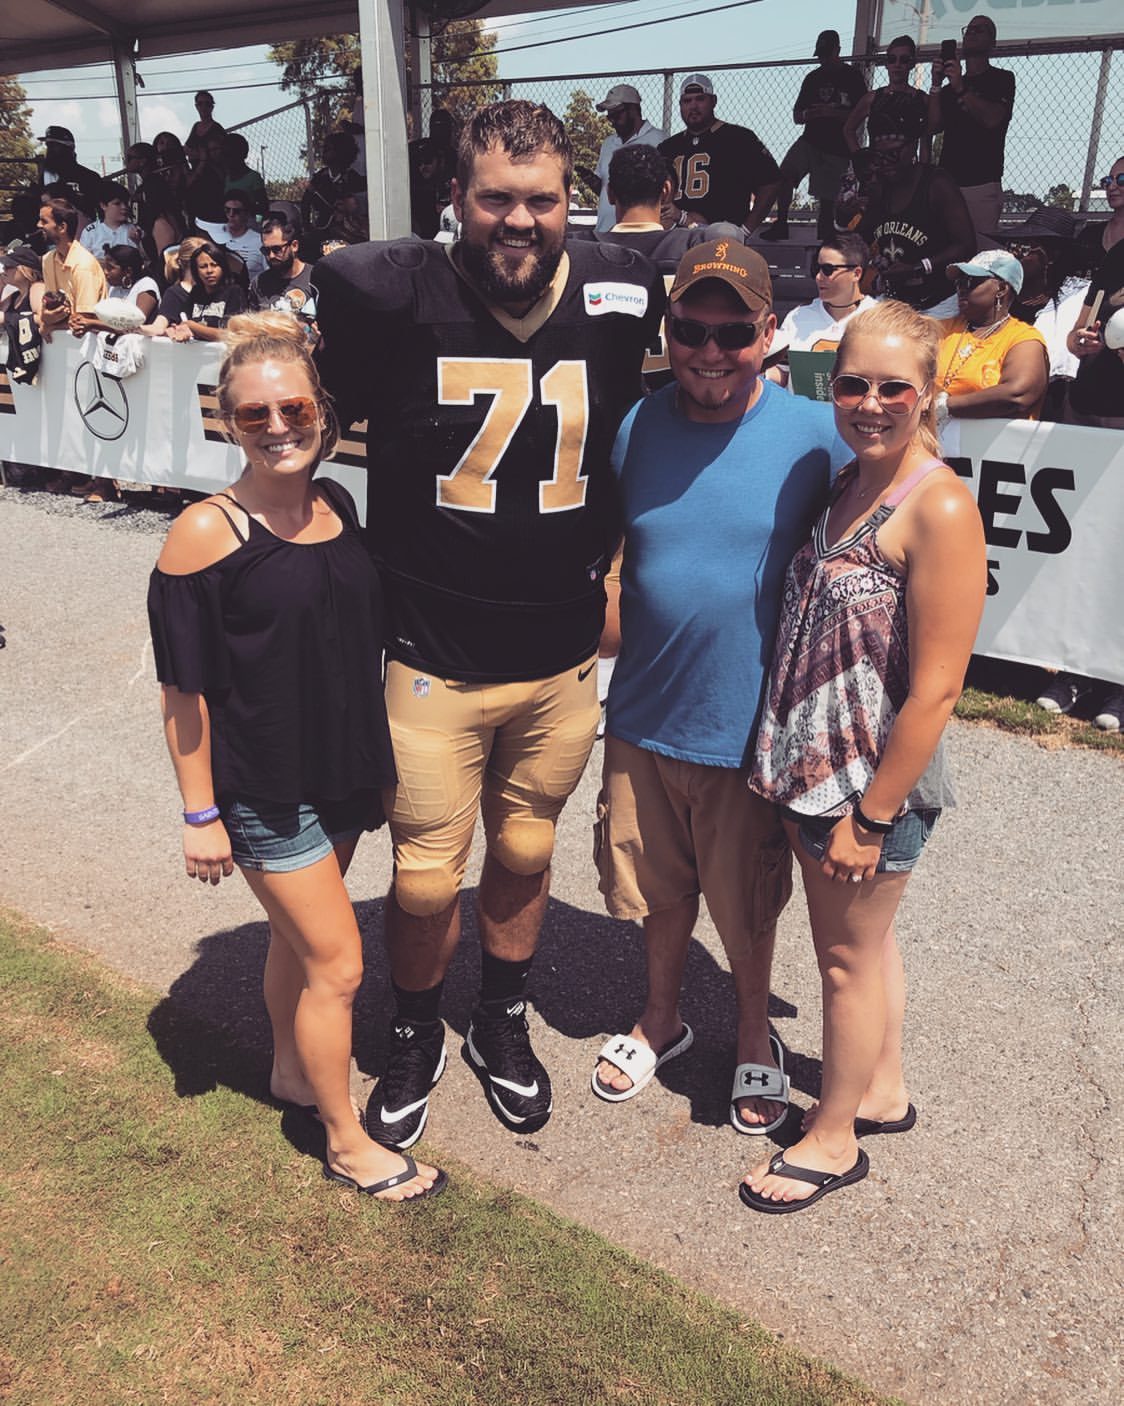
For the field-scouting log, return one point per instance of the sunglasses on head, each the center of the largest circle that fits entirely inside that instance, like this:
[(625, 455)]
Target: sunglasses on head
[(300, 412), (827, 270), (1109, 181), (895, 397), (728, 336)]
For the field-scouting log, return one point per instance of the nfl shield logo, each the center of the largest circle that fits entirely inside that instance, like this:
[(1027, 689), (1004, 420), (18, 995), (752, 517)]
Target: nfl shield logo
[(421, 687)]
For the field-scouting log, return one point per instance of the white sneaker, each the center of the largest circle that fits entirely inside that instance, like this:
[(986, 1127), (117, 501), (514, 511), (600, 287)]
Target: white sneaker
[(1108, 719), (1059, 695)]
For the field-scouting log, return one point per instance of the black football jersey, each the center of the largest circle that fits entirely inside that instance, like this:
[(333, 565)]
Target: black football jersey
[(718, 171), (491, 507), (25, 345)]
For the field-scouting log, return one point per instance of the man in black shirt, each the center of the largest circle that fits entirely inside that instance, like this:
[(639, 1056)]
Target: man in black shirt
[(287, 282), (723, 173), (973, 109), (493, 374), (61, 175), (827, 97)]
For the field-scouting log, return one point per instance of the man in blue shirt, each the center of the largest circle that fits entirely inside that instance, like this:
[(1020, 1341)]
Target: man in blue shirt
[(721, 475)]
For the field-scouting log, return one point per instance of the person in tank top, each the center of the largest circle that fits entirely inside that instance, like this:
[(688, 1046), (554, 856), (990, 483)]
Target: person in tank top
[(266, 617), (879, 617)]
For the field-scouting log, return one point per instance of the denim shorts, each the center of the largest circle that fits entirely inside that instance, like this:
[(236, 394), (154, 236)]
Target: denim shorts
[(901, 848), (279, 837)]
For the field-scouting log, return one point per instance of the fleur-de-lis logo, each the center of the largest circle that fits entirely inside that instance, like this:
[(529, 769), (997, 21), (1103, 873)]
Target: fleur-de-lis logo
[(720, 252)]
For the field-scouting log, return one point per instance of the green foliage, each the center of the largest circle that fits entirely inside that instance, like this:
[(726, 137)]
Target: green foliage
[(1016, 203), (587, 129), (16, 138), (1061, 197), (464, 74)]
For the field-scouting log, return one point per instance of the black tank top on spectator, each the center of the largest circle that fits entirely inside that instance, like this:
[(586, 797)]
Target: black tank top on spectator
[(897, 110), (284, 641), (907, 237), (1099, 386)]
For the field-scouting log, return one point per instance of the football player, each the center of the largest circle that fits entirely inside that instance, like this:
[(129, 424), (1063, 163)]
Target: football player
[(493, 375)]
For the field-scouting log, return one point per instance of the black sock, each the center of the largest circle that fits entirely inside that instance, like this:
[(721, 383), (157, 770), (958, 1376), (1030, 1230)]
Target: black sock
[(502, 982), (418, 1007)]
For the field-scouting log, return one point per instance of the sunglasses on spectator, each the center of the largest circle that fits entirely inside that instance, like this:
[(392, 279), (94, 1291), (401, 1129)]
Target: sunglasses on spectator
[(895, 397), (300, 412), (828, 270), (268, 249), (969, 283), (1109, 181), (728, 336)]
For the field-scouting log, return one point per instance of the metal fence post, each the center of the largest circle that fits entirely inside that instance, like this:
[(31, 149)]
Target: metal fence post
[(1095, 129), (668, 93), (309, 154)]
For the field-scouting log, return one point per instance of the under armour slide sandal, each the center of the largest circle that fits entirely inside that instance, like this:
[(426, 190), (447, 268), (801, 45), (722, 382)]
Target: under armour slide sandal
[(638, 1061), (760, 1081)]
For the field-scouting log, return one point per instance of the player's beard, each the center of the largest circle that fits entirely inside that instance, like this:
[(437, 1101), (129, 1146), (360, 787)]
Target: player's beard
[(503, 282)]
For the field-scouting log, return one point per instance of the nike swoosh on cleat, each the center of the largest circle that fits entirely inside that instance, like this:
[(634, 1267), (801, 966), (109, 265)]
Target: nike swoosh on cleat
[(400, 1113), (526, 1090)]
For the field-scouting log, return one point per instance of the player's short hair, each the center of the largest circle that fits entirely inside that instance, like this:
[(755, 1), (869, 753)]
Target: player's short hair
[(113, 190), (637, 174), (62, 212), (237, 193), (235, 144), (519, 128), (277, 224), (255, 337), (853, 247), (126, 257), (903, 42)]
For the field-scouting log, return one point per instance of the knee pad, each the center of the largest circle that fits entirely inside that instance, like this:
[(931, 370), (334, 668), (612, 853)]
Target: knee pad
[(524, 843), (423, 892)]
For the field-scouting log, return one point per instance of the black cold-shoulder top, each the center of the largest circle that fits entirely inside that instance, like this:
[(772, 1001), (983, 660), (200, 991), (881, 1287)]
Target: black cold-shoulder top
[(284, 640)]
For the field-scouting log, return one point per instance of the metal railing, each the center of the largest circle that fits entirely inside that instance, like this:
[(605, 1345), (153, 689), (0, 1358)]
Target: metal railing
[(1066, 130)]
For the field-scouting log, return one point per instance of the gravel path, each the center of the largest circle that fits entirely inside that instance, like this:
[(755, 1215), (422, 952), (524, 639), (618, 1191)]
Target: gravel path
[(981, 1260)]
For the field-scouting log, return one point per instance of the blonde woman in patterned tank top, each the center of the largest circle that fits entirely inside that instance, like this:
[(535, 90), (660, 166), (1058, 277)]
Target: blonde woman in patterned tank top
[(879, 616)]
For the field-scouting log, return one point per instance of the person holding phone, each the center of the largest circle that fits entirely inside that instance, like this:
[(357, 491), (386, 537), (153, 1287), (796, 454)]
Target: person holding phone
[(971, 103)]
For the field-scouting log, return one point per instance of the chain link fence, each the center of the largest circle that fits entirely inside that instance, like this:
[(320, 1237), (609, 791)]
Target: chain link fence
[(1066, 130), (282, 148)]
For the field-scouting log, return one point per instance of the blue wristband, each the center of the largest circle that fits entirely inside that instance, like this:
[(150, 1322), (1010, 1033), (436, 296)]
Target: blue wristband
[(201, 817)]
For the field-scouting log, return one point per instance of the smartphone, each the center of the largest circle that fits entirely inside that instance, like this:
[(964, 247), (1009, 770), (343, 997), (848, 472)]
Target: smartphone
[(948, 50)]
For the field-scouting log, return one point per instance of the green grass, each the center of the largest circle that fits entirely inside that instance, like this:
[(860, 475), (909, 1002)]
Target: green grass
[(1022, 716), (159, 1249)]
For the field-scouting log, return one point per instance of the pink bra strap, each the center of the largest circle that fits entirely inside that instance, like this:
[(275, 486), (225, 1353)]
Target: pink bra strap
[(903, 489)]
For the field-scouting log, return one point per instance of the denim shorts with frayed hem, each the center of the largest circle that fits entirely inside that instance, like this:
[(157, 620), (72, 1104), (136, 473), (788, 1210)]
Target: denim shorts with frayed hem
[(279, 837), (901, 848)]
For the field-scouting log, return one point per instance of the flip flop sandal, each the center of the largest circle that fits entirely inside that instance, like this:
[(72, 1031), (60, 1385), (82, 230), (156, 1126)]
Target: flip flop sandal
[(760, 1081), (375, 1187), (868, 1127), (638, 1061), (824, 1181)]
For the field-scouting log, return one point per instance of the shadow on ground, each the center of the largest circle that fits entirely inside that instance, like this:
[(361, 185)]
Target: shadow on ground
[(212, 1029)]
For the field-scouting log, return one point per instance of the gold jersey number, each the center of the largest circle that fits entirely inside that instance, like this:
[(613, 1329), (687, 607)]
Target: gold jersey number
[(692, 174), (470, 487)]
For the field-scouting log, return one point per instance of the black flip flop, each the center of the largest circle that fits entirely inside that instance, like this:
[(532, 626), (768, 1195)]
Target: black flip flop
[(868, 1127), (375, 1187), (825, 1181)]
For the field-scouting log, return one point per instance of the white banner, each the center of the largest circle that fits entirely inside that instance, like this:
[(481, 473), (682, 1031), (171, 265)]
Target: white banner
[(1053, 510), (1050, 495), (158, 426)]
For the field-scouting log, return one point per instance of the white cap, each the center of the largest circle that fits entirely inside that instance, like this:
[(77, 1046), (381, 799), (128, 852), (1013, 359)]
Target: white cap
[(696, 80), (618, 96)]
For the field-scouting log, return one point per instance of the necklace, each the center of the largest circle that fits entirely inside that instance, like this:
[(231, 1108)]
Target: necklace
[(962, 352)]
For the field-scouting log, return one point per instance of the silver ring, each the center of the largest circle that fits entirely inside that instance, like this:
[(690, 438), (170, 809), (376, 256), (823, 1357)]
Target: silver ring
[(856, 878)]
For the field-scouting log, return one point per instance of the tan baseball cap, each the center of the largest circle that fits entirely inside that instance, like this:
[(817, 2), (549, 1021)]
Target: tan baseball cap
[(732, 263), (617, 97)]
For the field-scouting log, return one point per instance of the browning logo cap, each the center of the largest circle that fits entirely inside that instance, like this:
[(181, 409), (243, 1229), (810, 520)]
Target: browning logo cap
[(740, 268)]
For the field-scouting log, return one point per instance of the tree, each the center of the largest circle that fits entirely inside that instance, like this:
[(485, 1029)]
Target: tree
[(464, 73), (587, 130), (1061, 197), (17, 142), (1016, 203)]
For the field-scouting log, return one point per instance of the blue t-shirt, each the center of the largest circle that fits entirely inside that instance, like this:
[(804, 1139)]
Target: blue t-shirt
[(713, 514)]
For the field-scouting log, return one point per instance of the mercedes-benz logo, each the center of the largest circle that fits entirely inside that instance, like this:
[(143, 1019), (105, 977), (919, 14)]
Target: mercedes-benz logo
[(101, 402)]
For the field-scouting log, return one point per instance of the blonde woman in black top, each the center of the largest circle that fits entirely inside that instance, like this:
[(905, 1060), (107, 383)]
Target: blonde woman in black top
[(266, 618)]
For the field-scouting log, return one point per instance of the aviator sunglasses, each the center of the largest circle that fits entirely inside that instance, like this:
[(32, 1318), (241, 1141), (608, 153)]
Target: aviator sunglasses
[(728, 336), (300, 412), (895, 397)]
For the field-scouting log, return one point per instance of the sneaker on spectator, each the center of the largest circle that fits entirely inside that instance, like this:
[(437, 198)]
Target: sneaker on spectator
[(1059, 695), (518, 1087), (1108, 719), (399, 1106)]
